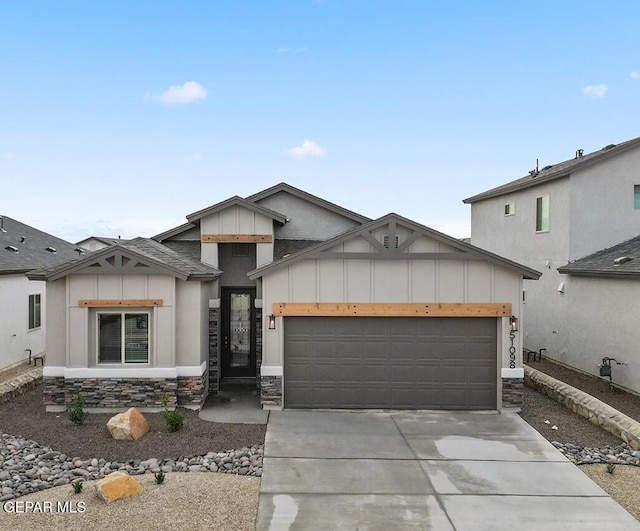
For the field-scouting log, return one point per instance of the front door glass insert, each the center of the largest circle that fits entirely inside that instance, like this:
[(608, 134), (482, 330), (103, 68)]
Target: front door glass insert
[(240, 330)]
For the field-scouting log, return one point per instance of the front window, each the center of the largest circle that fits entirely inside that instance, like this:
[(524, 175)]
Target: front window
[(123, 337), (636, 196), (542, 214), (34, 311)]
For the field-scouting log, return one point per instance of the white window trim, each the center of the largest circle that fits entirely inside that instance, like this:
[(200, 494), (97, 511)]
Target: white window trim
[(122, 362), (511, 207), (32, 296), (543, 231)]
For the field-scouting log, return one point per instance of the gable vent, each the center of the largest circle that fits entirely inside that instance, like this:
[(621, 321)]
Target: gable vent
[(622, 260), (385, 241), (11, 248)]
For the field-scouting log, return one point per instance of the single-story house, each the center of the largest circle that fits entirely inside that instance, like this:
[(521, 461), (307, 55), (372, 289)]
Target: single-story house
[(316, 305)]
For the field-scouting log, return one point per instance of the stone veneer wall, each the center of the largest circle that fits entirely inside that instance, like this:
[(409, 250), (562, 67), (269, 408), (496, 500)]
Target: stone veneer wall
[(214, 331), (512, 392), (125, 392), (258, 344), (271, 391), (192, 390)]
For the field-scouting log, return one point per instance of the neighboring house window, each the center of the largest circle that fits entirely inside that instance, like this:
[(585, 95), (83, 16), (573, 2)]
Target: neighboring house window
[(636, 197), (123, 337), (542, 213), (34, 311), (509, 209)]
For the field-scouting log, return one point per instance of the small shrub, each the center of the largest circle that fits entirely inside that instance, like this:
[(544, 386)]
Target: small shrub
[(75, 412), (611, 468), (77, 487), (174, 419), (159, 477)]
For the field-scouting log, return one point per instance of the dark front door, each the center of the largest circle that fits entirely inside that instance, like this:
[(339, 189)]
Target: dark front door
[(238, 333)]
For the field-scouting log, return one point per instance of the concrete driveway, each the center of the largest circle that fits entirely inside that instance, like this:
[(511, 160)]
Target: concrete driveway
[(406, 470)]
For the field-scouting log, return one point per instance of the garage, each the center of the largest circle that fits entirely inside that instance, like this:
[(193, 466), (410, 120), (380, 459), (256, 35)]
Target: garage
[(390, 362)]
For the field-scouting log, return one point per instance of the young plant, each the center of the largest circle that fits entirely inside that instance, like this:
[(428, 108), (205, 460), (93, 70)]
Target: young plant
[(77, 487), (159, 476), (174, 419), (611, 468), (75, 412)]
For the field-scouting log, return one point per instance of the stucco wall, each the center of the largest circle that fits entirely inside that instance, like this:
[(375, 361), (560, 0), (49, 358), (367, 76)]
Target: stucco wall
[(307, 220), (515, 237), (601, 318), (15, 335), (602, 212)]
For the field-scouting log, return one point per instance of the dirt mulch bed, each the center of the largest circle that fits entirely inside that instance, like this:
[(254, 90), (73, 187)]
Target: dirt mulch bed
[(626, 403), (25, 416), (543, 413)]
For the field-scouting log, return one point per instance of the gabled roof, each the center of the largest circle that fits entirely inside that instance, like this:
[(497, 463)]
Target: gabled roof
[(140, 255), (102, 239), (236, 201), (173, 232), (284, 187), (619, 261), (555, 171), (463, 251), (23, 248)]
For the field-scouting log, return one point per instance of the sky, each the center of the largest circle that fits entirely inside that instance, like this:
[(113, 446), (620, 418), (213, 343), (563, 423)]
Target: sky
[(120, 118)]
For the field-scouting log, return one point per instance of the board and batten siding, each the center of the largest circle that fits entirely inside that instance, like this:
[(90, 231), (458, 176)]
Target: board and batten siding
[(178, 328), (412, 281), (236, 220)]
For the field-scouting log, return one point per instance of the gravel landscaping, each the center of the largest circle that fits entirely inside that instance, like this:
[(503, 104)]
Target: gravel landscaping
[(65, 452)]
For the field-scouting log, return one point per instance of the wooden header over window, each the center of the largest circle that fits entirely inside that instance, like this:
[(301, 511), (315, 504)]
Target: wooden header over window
[(113, 303), (235, 238), (389, 309)]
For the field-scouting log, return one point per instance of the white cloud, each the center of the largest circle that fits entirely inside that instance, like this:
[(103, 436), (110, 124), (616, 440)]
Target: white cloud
[(308, 149), (6, 155), (635, 75), (595, 91), (194, 156), (180, 94)]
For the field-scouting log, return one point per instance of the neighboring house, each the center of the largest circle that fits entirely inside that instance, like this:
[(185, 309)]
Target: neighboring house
[(22, 303), (316, 305), (582, 309), (95, 243)]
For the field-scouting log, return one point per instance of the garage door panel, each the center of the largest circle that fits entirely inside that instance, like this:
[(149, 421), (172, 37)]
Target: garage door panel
[(382, 362)]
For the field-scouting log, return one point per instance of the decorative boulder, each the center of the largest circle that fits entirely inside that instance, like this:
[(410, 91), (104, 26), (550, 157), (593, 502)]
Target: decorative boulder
[(116, 486), (130, 425)]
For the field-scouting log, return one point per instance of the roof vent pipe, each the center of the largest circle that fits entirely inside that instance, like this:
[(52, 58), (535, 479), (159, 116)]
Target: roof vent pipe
[(2, 229), (579, 153)]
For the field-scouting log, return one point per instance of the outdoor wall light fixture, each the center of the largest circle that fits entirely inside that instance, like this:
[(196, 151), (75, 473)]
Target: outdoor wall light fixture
[(513, 323), (272, 322)]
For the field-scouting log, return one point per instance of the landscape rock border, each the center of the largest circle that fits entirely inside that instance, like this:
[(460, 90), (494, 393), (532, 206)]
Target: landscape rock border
[(26, 466), (585, 405)]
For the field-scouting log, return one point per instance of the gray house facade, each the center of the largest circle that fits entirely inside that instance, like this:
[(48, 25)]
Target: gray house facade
[(554, 220), (312, 303)]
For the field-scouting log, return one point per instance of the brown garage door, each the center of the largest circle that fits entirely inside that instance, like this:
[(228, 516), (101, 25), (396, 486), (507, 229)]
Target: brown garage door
[(390, 362)]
